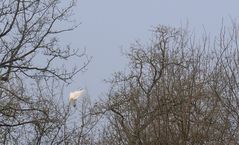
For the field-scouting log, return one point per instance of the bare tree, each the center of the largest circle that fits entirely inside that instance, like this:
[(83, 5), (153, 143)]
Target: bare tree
[(32, 72), (178, 90)]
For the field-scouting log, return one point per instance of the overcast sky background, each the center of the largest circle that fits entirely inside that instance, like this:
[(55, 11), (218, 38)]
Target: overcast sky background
[(108, 26)]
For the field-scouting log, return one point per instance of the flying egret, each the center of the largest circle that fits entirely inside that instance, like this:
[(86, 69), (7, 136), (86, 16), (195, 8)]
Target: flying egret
[(74, 95)]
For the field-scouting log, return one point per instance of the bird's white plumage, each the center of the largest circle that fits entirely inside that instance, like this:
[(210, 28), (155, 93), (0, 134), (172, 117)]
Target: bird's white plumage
[(74, 95)]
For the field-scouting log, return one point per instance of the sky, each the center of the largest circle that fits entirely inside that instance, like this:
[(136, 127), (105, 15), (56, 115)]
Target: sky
[(108, 27)]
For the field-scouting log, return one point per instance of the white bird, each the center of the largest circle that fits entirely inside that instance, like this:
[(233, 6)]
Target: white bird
[(74, 96)]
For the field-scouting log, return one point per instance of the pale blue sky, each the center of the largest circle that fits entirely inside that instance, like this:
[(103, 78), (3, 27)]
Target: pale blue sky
[(111, 25)]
